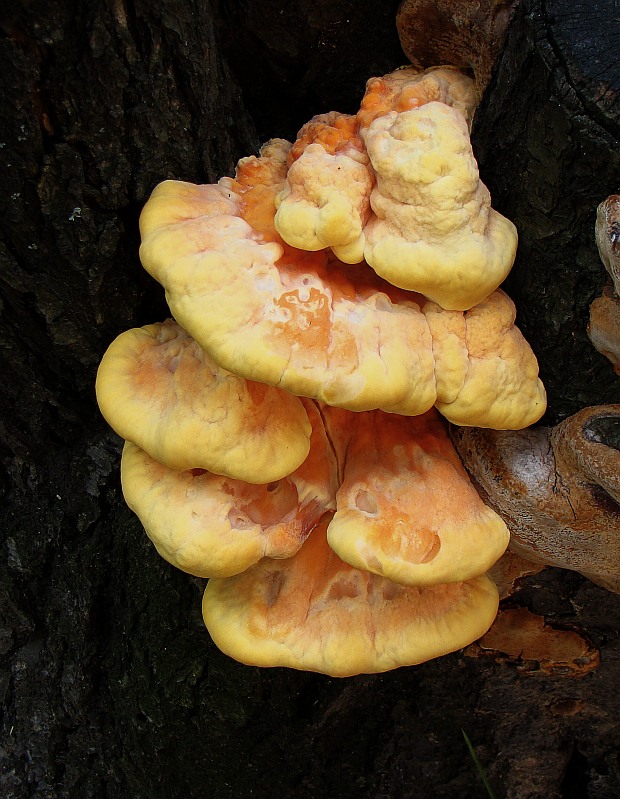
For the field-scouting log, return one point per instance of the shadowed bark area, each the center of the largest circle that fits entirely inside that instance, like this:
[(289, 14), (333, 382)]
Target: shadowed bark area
[(109, 684), (547, 140)]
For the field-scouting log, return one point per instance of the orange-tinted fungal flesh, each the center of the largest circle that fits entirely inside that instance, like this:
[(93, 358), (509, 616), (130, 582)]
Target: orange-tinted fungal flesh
[(314, 612), (406, 508)]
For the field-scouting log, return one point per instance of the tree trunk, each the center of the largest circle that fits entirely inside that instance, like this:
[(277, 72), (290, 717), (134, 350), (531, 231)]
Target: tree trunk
[(110, 686), (547, 141)]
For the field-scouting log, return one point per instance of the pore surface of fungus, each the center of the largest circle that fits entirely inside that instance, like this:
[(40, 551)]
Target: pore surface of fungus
[(314, 612)]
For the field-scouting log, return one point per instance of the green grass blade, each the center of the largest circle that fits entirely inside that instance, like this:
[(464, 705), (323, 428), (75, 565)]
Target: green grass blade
[(479, 768)]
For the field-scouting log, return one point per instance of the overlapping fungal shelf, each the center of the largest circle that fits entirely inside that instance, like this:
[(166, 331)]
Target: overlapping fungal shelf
[(335, 304)]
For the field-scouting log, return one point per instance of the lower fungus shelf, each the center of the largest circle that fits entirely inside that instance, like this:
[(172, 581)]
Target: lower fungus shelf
[(316, 613), (428, 524)]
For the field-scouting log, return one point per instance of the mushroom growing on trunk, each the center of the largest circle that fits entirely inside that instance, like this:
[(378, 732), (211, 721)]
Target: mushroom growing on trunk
[(157, 388), (289, 332), (316, 613), (306, 322)]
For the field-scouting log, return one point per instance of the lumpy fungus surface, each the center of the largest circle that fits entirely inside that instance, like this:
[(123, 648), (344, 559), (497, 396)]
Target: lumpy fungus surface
[(335, 304), (305, 322), (315, 612)]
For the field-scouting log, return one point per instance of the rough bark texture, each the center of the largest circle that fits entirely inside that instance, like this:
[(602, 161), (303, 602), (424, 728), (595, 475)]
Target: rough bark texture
[(109, 685), (435, 31), (547, 140)]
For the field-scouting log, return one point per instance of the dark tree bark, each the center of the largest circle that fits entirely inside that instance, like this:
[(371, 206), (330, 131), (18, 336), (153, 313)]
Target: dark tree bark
[(547, 139), (109, 684)]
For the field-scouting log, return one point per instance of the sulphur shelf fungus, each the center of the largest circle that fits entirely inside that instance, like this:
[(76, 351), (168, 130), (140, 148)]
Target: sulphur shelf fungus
[(316, 613), (398, 187), (326, 198), (403, 505), (214, 526), (158, 389), (306, 322), (284, 434)]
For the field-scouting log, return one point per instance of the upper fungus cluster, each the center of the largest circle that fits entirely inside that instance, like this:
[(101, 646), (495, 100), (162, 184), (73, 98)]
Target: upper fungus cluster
[(334, 304)]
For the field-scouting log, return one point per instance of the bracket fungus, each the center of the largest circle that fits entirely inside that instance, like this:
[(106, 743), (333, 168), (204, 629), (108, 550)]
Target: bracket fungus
[(434, 230), (326, 197), (399, 187), (210, 525), (558, 489), (314, 612), (307, 323), (404, 506), (157, 388), (604, 326), (281, 434)]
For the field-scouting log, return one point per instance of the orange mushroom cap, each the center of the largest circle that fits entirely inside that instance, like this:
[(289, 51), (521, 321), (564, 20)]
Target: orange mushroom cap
[(230, 473), (433, 229), (526, 640), (210, 525), (407, 88), (157, 388), (398, 185), (406, 508), (278, 315), (325, 201), (304, 322), (316, 613), (487, 375)]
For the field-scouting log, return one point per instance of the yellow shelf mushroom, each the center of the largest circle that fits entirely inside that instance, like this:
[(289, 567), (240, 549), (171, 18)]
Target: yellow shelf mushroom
[(315, 613), (281, 434), (307, 323), (158, 388)]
